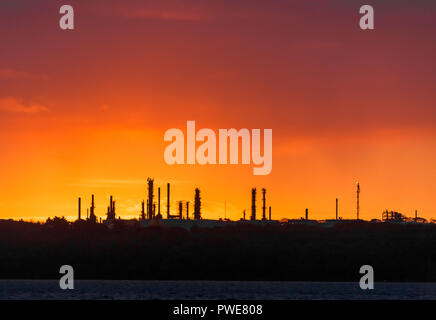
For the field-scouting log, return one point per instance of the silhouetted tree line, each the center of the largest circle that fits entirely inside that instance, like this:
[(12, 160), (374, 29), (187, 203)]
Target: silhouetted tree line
[(398, 252)]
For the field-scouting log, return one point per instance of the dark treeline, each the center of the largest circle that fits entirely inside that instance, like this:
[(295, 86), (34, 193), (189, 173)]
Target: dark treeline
[(398, 252)]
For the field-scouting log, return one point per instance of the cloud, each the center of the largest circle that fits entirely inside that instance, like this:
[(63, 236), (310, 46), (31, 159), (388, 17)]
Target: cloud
[(16, 106), (12, 74)]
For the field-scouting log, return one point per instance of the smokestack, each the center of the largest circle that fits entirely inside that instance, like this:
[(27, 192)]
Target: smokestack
[(92, 216), (263, 207), (150, 198), (197, 205), (416, 215), (142, 210), (180, 210), (187, 210), (91, 211), (253, 204), (307, 214), (358, 194), (168, 200), (158, 201), (336, 208), (111, 205), (270, 213), (80, 207), (243, 214)]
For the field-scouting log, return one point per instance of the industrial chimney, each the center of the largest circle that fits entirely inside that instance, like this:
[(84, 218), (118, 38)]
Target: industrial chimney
[(80, 207), (358, 194), (111, 203), (336, 208), (253, 204), (180, 210), (263, 207), (168, 200), (148, 210), (197, 205), (158, 201), (111, 209), (270, 213), (142, 210), (92, 216), (92, 205), (150, 198), (307, 214)]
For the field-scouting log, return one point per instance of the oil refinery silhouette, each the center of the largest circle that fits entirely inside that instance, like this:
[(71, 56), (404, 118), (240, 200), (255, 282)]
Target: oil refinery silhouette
[(181, 246), (151, 216)]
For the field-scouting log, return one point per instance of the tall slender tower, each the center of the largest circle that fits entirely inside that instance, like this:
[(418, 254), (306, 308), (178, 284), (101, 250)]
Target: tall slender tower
[(187, 210), (197, 205), (158, 201), (142, 210), (80, 208), (150, 198), (168, 200), (358, 194), (148, 210), (264, 206), (253, 204), (336, 208), (270, 213), (92, 216), (180, 210), (111, 209)]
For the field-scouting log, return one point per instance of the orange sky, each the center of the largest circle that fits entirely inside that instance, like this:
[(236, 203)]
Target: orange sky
[(85, 111)]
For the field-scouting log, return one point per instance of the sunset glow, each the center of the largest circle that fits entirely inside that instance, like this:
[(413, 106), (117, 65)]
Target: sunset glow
[(84, 112)]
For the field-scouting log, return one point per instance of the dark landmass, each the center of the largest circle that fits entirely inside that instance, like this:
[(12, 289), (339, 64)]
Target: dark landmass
[(398, 252)]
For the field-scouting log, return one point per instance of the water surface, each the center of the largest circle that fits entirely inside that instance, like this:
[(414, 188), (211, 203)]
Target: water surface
[(205, 290)]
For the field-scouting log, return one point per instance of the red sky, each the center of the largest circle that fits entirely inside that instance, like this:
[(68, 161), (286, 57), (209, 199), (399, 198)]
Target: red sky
[(85, 111)]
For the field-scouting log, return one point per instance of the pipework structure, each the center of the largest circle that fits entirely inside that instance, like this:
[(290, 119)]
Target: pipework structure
[(197, 205), (253, 204), (150, 199), (92, 216), (142, 210), (111, 209)]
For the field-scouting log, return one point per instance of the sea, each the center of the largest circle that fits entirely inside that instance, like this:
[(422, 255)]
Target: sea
[(211, 290)]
